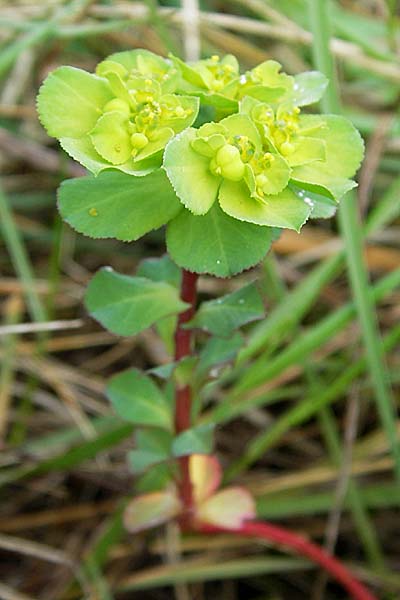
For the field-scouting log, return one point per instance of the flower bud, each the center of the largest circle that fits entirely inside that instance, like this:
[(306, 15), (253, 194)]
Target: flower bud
[(287, 148), (229, 161), (139, 141), (261, 180)]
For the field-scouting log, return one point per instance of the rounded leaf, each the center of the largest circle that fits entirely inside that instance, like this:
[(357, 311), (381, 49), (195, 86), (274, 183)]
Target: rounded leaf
[(127, 305), (344, 149), (228, 508), (205, 475), (309, 87), (189, 174), (137, 399), (216, 243), (111, 139), (281, 210), (151, 510), (117, 205), (70, 101)]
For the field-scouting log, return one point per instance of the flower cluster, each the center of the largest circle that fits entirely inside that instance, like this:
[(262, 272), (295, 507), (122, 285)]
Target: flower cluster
[(123, 115), (261, 160)]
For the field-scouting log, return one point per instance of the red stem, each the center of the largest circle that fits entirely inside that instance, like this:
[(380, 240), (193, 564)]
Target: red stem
[(265, 531), (300, 545), (183, 397)]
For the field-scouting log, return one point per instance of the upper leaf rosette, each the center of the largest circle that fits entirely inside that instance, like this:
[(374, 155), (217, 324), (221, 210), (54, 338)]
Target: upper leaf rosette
[(260, 165), (120, 117)]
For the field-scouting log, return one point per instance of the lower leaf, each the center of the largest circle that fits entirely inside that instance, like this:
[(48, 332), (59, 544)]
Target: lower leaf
[(151, 510)]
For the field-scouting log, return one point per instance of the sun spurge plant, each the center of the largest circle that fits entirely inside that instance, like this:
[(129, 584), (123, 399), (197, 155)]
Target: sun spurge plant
[(226, 161)]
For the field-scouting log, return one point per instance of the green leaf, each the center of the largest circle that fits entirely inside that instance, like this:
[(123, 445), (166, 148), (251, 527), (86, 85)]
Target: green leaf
[(127, 305), (217, 351), (344, 153), (198, 440), (116, 205), (70, 101), (306, 150), (163, 269), (160, 269), (137, 399), (189, 173), (281, 210), (157, 477), (218, 101), (240, 124), (141, 460), (323, 206), (153, 447), (84, 152), (222, 316), (309, 87), (111, 138), (216, 243)]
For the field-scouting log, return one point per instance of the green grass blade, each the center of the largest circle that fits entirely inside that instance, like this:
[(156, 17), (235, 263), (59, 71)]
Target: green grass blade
[(351, 232), (354, 495), (20, 260), (304, 410)]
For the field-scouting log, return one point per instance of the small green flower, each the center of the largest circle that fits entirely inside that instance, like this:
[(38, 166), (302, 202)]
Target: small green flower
[(266, 82), (121, 117), (214, 80), (283, 130), (218, 83), (323, 151), (229, 161)]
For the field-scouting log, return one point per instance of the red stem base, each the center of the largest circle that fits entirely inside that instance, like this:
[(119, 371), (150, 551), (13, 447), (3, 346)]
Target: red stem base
[(183, 395), (300, 545)]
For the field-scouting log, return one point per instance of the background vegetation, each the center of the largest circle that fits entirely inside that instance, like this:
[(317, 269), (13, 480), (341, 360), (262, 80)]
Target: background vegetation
[(306, 415)]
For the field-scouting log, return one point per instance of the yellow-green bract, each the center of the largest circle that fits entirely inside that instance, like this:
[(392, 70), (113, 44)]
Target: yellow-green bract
[(261, 163), (120, 117)]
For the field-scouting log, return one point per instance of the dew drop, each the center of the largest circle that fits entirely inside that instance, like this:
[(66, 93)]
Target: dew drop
[(93, 212), (218, 262), (241, 301)]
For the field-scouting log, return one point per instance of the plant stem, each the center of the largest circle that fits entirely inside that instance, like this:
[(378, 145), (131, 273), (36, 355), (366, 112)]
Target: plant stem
[(183, 396), (281, 536)]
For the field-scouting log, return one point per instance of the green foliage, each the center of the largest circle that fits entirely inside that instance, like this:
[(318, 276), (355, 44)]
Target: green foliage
[(138, 400), (264, 163), (224, 190), (152, 447), (127, 305), (160, 269), (216, 243), (223, 316), (124, 114), (218, 351), (111, 205), (198, 440)]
